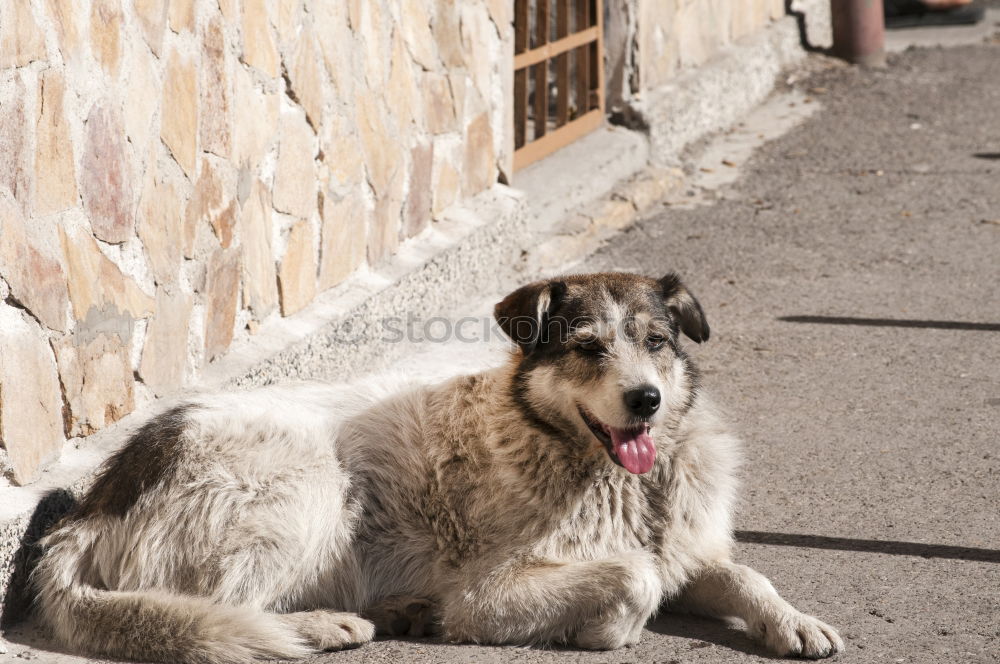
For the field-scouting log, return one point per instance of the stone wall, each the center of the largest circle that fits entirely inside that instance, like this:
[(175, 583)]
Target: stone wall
[(650, 41), (175, 173)]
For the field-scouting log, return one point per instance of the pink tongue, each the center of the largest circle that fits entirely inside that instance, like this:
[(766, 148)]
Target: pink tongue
[(634, 448)]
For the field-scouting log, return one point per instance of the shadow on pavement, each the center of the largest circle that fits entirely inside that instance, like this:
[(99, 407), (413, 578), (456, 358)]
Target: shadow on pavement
[(16, 600), (992, 156), (870, 546), (704, 632), (892, 322)]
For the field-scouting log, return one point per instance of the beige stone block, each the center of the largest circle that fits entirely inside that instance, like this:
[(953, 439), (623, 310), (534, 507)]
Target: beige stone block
[(341, 153), (152, 17), (447, 183), (181, 14), (502, 15), (750, 16), (295, 172), (777, 8), (259, 48), (31, 421), (288, 18), (160, 223), (256, 122), (15, 132), (702, 28), (165, 353), (384, 233), (658, 48), (106, 175), (479, 171), (447, 33), (305, 77), (142, 93), (415, 23), (380, 150), (355, 8), (55, 174), (259, 278), (95, 282), (97, 379), (21, 39), (179, 111), (478, 34), (31, 267), (222, 289), (343, 239), (420, 195), (439, 106), (297, 274), (338, 45), (215, 127), (718, 24), (374, 35), (401, 94), (224, 224), (229, 9), (105, 34), (458, 84), (65, 16), (210, 203)]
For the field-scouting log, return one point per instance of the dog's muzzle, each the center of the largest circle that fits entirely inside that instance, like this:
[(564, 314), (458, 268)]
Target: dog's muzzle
[(632, 448)]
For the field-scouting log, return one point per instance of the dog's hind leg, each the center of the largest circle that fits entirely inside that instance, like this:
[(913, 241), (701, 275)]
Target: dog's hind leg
[(402, 615), (256, 573), (599, 604), (725, 589)]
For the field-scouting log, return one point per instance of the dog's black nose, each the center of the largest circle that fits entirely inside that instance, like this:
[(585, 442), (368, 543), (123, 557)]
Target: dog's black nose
[(643, 401)]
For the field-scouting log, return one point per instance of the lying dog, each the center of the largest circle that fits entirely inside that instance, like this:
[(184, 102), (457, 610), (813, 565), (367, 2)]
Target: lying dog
[(560, 498)]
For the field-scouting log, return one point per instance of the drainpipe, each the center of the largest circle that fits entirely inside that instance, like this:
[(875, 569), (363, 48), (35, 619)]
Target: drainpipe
[(859, 31)]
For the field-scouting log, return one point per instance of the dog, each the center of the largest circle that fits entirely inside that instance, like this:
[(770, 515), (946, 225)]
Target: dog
[(561, 498)]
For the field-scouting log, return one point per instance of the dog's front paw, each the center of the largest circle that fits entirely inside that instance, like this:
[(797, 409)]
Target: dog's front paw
[(607, 637), (796, 634), (615, 629), (331, 630)]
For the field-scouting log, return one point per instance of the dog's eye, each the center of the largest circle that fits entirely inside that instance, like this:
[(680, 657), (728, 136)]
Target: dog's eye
[(655, 341), (590, 346)]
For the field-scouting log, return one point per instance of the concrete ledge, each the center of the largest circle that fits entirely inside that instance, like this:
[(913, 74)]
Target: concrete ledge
[(581, 172), (717, 94)]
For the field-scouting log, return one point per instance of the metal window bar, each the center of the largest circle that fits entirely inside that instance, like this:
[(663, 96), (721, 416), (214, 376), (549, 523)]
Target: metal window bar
[(558, 75)]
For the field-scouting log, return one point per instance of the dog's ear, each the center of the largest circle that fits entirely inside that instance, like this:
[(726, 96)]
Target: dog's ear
[(526, 313), (685, 307)]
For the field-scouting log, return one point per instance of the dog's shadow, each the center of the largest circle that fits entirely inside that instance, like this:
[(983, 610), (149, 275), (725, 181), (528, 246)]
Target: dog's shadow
[(706, 631), (29, 640), (698, 631)]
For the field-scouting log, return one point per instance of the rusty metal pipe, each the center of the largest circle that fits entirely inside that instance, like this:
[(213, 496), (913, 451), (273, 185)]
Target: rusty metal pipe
[(859, 31)]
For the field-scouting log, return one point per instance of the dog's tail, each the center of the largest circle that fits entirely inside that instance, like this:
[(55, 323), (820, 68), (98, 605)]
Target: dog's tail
[(146, 625)]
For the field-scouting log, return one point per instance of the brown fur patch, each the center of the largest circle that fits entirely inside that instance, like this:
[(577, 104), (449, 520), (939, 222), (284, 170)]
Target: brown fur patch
[(146, 460)]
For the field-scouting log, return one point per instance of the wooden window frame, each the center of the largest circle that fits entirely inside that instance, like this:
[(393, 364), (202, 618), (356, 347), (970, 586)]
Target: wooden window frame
[(588, 44)]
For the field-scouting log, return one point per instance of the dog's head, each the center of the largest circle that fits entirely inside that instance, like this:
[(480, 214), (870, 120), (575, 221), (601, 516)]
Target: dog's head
[(599, 358)]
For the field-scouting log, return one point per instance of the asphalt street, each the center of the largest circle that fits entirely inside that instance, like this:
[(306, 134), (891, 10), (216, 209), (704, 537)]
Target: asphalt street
[(852, 280)]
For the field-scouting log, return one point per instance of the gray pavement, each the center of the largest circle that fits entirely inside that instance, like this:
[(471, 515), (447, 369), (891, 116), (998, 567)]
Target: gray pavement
[(851, 279)]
